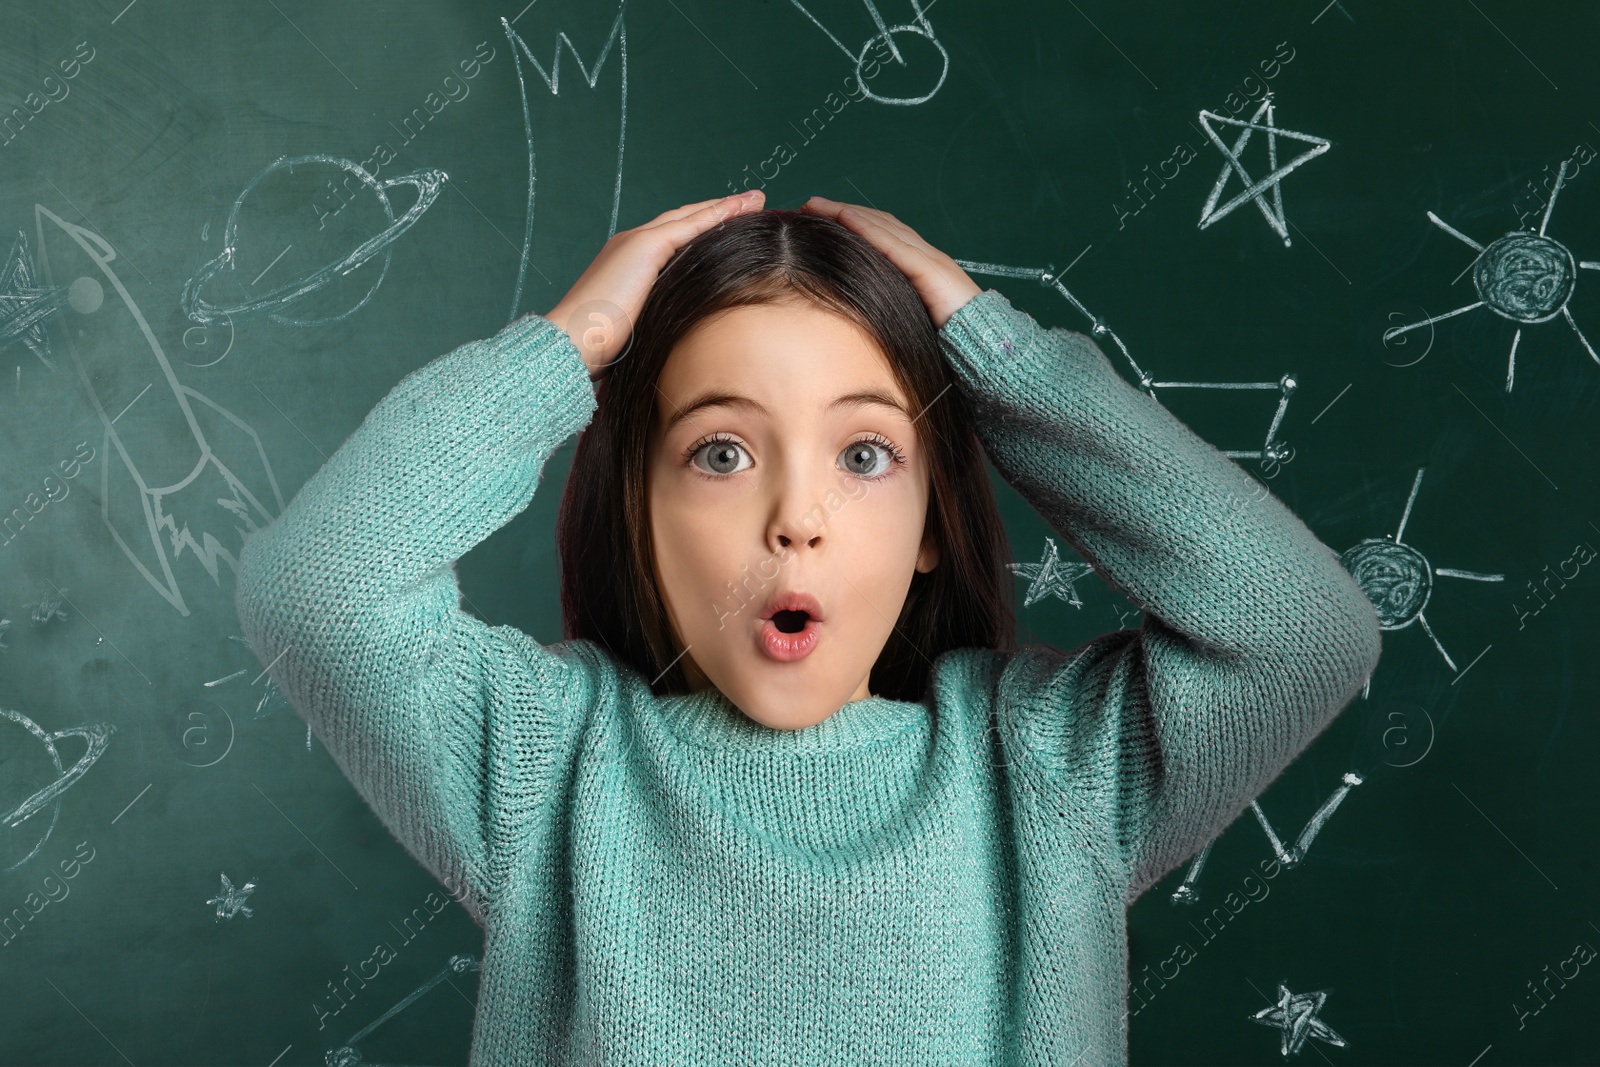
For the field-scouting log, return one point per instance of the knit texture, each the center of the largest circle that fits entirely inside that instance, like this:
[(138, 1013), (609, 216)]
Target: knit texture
[(666, 881)]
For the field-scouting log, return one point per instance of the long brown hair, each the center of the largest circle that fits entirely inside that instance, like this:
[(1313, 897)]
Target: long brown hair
[(608, 590)]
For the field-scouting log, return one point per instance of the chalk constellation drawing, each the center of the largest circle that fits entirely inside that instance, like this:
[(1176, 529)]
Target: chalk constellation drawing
[(552, 81), (427, 182), (172, 413), (1289, 858), (230, 900), (1051, 577), (1526, 277), (96, 735), (1252, 188), (1398, 579), (1272, 448), (348, 1055), (918, 27), (1295, 1017), (25, 304)]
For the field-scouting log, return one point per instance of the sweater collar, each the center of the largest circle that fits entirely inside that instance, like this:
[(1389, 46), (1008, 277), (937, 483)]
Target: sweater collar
[(709, 719)]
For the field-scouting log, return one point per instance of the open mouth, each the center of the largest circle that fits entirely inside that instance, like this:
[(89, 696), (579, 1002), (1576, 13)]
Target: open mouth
[(789, 635)]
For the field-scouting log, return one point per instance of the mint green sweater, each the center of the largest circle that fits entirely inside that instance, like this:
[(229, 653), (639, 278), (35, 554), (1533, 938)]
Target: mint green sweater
[(665, 881)]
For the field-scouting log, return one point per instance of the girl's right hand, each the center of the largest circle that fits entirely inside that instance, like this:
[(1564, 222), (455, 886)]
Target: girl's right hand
[(599, 310)]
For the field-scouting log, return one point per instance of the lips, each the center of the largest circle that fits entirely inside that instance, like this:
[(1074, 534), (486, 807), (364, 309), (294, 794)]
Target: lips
[(793, 601), (790, 626)]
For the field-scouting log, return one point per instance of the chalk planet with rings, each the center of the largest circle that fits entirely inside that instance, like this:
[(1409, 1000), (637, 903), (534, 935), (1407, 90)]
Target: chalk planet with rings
[(96, 735), (428, 182)]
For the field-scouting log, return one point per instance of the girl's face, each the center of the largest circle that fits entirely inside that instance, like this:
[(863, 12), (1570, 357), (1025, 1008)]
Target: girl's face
[(783, 458)]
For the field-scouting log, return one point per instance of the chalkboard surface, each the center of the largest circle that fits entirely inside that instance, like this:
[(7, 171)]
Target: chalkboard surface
[(1355, 245)]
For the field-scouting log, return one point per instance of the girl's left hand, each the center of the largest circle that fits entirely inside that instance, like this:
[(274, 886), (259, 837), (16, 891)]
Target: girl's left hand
[(942, 284)]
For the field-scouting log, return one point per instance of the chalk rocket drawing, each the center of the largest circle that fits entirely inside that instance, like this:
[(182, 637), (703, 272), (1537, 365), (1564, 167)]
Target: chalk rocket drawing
[(1285, 386), (918, 27), (1051, 577), (1295, 1016), (230, 900), (172, 487), (25, 304), (96, 735), (1525, 277), (1398, 579), (349, 1055), (1289, 858), (552, 81), (1253, 188), (427, 184)]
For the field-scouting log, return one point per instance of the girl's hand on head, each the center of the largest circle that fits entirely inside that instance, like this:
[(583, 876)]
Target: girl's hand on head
[(599, 310), (938, 279)]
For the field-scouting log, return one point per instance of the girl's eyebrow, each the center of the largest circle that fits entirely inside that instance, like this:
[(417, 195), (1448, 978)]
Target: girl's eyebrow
[(860, 398)]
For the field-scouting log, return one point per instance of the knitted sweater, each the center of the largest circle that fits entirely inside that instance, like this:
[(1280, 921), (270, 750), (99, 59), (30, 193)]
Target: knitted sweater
[(666, 881)]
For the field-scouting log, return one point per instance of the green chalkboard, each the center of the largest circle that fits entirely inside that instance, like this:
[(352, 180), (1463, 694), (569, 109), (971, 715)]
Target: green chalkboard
[(1355, 245)]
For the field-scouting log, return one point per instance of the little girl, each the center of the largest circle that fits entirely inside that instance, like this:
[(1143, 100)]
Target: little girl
[(786, 794)]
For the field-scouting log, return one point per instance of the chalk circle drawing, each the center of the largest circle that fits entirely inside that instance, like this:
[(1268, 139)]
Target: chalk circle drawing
[(202, 733), (21, 773), (1272, 449), (1295, 1016), (230, 899), (426, 182), (25, 305), (1402, 732), (1253, 188), (222, 501), (1524, 277), (349, 1054), (918, 30), (1289, 858), (1398, 579), (1051, 577), (552, 80)]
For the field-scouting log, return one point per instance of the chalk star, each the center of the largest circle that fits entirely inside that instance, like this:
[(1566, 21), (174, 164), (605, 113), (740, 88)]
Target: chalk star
[(1051, 577), (1253, 189), (230, 901), (24, 304), (1295, 1014)]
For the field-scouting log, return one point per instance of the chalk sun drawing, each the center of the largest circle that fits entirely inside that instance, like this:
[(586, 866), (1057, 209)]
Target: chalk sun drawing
[(1398, 579), (920, 27), (1051, 577), (552, 81), (25, 304), (206, 490), (427, 183), (1526, 277), (1272, 448), (1253, 188), (1295, 1016), (1290, 858), (96, 735), (349, 1055)]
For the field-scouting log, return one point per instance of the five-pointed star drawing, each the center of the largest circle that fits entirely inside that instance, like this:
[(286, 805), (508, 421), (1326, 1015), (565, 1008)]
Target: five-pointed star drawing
[(1051, 577), (24, 304), (1253, 188), (1295, 1015), (230, 901)]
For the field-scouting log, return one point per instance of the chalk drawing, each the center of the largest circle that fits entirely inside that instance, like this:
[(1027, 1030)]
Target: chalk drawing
[(1295, 1017), (1525, 277), (349, 1055), (1253, 188), (96, 735), (1398, 579), (25, 304), (1289, 858), (919, 27), (222, 500), (1051, 577), (230, 900), (552, 81), (427, 183), (1272, 448)]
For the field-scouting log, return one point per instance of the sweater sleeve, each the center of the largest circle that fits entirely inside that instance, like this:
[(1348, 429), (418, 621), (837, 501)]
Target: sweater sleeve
[(447, 727), (1254, 635)]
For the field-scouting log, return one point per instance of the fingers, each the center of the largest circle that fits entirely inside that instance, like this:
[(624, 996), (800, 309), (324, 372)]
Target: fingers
[(689, 210)]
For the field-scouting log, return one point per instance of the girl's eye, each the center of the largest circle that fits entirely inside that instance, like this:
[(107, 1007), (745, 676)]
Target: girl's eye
[(721, 452), (858, 457)]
